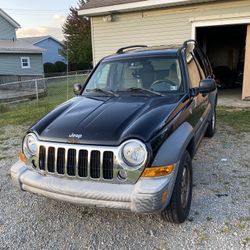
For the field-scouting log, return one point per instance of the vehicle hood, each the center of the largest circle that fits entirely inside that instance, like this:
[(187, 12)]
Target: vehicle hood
[(106, 120)]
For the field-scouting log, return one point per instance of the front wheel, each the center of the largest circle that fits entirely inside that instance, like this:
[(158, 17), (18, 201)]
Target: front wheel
[(178, 209)]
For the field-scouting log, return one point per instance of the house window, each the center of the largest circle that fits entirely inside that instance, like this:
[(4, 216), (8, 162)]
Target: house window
[(25, 62)]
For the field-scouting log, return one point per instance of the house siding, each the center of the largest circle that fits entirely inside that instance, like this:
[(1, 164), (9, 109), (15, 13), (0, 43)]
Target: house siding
[(155, 27), (10, 64), (52, 47), (7, 31)]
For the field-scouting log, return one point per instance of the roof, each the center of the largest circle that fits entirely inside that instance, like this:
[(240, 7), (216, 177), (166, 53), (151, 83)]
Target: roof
[(101, 3), (167, 50), (101, 7), (37, 39), (9, 19), (18, 47)]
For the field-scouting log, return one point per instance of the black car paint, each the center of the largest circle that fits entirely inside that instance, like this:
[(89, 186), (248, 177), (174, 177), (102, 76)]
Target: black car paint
[(107, 120), (110, 120)]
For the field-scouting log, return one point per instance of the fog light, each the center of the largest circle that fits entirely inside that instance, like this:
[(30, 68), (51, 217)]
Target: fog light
[(122, 174)]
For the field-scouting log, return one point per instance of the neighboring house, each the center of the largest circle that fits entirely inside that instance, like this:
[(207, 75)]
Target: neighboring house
[(53, 47), (221, 27), (18, 60)]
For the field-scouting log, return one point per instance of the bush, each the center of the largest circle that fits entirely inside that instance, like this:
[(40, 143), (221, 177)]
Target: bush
[(60, 66), (49, 68), (55, 67)]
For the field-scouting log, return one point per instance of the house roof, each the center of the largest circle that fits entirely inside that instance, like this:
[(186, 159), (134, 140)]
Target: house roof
[(101, 7), (9, 19), (101, 3), (37, 39), (18, 47)]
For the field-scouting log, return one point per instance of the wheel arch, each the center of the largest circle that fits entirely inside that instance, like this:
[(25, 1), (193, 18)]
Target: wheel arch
[(175, 145)]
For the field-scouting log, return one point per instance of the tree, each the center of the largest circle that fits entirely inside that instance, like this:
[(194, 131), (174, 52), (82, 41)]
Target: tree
[(77, 39)]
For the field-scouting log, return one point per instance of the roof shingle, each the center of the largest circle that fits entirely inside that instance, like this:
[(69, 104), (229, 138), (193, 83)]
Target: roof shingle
[(103, 3), (17, 46)]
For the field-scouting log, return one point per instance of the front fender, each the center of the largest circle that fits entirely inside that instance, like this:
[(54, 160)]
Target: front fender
[(172, 149)]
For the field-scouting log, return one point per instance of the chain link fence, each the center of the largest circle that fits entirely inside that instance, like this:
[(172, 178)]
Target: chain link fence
[(27, 101)]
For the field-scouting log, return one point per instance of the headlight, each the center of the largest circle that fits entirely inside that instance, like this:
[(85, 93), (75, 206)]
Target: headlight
[(30, 145), (133, 154)]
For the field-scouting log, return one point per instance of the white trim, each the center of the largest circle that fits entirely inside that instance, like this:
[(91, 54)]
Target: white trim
[(244, 18), (9, 19), (28, 62), (92, 42), (147, 4)]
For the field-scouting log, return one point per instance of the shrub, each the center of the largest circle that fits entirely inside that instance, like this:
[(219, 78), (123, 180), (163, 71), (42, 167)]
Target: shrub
[(60, 66), (49, 68)]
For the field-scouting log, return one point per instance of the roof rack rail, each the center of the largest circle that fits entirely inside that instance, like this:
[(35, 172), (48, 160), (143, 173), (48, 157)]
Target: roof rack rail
[(121, 50)]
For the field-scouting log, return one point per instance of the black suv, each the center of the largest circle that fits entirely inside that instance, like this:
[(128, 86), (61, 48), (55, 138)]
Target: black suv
[(127, 139)]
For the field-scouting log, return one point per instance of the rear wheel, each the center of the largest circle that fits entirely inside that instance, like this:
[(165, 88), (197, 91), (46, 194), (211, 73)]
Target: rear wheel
[(178, 209), (211, 126)]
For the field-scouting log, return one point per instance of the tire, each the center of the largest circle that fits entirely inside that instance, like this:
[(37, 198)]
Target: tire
[(211, 126), (179, 207)]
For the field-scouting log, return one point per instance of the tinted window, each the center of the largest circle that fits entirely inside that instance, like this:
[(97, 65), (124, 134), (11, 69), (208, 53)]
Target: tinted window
[(203, 61)]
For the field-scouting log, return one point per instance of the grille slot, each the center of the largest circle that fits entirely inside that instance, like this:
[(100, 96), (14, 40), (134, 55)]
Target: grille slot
[(42, 157), (95, 164), (108, 165), (51, 160), (60, 160), (76, 162), (71, 164), (83, 163)]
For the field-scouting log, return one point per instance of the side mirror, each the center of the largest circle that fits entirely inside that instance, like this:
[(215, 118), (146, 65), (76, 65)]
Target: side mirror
[(77, 88), (207, 86)]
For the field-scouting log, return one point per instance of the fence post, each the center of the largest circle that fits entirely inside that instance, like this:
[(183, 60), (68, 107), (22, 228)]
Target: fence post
[(37, 96)]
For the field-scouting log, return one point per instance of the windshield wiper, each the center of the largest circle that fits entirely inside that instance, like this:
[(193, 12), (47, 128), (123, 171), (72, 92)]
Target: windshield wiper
[(143, 90), (109, 92)]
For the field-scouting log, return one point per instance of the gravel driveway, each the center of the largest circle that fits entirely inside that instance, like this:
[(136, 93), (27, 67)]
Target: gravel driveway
[(219, 219)]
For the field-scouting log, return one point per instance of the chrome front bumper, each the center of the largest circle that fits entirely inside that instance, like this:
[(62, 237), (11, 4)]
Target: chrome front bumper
[(146, 196)]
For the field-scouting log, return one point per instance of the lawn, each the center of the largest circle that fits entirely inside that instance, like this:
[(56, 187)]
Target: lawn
[(28, 112), (236, 118)]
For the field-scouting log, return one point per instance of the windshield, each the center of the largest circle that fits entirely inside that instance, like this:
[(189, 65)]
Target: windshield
[(150, 74)]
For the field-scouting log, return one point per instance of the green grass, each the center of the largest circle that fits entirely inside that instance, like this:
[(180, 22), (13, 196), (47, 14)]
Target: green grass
[(237, 119), (28, 112)]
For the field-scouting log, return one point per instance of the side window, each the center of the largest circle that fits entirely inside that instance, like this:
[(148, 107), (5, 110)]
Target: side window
[(201, 69), (203, 61), (193, 71)]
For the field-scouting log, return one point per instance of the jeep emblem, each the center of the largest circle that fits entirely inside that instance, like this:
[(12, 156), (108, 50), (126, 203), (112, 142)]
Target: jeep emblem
[(78, 136)]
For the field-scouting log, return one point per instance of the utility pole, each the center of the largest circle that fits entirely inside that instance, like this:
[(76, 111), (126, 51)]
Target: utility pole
[(67, 69)]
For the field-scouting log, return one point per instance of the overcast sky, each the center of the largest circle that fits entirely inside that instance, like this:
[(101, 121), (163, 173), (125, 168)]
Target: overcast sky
[(38, 18)]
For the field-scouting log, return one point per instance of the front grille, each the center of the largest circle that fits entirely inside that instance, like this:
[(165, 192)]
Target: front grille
[(76, 162)]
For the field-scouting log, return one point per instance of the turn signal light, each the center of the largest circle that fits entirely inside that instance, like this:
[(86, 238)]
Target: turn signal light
[(22, 157), (158, 171)]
